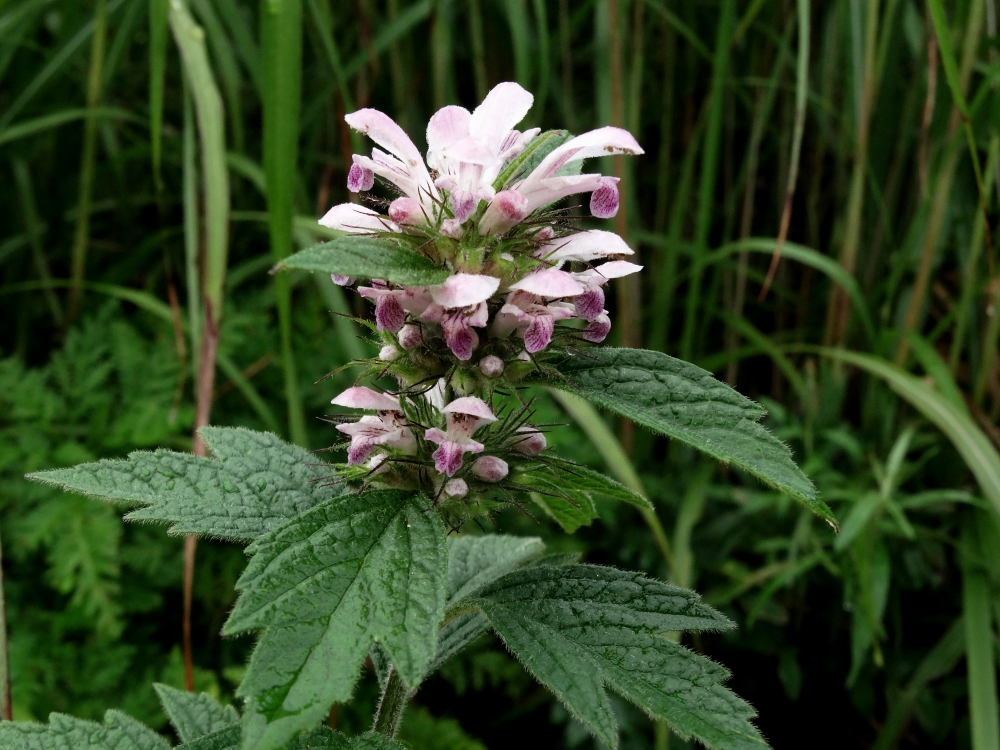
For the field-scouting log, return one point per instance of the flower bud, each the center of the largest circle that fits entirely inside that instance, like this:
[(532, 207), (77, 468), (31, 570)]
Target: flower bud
[(507, 208), (528, 441), (490, 468), (407, 211), (410, 337), (491, 366), (456, 488), (388, 353), (451, 228)]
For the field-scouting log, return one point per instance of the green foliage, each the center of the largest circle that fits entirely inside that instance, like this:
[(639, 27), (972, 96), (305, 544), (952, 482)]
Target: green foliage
[(686, 403), (256, 483), (570, 493), (326, 585), (118, 732), (368, 258), (580, 627), (194, 714)]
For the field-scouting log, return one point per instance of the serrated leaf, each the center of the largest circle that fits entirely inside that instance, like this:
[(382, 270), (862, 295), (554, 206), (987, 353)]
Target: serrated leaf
[(323, 738), (194, 714), (475, 561), (118, 732), (537, 149), (684, 402), (369, 258), (256, 482), (580, 628), (326, 585)]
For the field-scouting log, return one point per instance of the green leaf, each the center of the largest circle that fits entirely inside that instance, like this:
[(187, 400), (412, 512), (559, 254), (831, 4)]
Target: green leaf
[(685, 402), (368, 258), (537, 149), (256, 483), (323, 738), (578, 628), (118, 732), (570, 492), (194, 714), (475, 561), (326, 585)]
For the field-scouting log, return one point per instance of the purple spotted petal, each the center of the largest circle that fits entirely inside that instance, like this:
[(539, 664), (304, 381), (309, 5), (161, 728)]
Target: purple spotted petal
[(389, 315), (448, 458), (597, 330), (538, 334), (360, 178), (590, 304), (604, 200)]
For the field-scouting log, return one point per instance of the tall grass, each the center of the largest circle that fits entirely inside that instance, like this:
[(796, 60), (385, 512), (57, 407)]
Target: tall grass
[(842, 156)]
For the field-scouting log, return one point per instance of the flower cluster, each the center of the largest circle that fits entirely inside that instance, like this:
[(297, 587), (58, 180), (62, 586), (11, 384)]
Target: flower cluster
[(482, 207)]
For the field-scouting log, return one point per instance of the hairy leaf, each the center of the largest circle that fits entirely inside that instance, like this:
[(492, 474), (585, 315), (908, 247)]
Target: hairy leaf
[(320, 739), (118, 732), (685, 402), (368, 258), (579, 628), (570, 492), (194, 714), (256, 483), (326, 585), (474, 561)]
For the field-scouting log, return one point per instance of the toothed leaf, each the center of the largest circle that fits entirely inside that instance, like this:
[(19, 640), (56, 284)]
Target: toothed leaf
[(369, 258)]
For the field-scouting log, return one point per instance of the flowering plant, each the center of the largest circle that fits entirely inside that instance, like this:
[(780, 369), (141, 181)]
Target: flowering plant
[(482, 286)]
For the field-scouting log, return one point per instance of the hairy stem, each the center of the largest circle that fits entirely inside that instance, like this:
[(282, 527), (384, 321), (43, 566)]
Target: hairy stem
[(391, 706)]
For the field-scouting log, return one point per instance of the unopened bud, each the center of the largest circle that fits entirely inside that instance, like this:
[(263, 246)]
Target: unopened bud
[(456, 488), (410, 337), (528, 441), (507, 208), (407, 211), (388, 353), (491, 366), (490, 468)]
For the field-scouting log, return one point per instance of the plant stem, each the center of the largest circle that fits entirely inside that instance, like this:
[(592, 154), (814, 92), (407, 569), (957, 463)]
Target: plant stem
[(391, 706), (81, 237)]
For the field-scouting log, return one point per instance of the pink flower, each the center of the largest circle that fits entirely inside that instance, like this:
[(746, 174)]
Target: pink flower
[(469, 150), (389, 313), (350, 217), (544, 186), (408, 212), (506, 210), (464, 416), (459, 306), (403, 166), (590, 304), (535, 322), (387, 427)]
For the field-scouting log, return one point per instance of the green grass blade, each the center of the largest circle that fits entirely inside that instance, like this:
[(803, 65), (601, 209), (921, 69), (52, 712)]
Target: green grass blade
[(984, 707), (190, 40), (520, 38), (709, 169), (390, 32), (224, 59), (442, 62), (159, 14), (47, 122), (281, 49), (192, 233), (81, 237)]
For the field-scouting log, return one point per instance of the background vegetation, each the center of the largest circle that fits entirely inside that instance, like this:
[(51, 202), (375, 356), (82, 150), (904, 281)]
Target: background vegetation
[(152, 170)]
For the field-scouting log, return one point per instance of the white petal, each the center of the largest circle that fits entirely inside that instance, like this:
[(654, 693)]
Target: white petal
[(385, 132), (464, 289), (350, 217), (585, 246), (360, 397), (503, 108), (549, 283), (471, 405), (449, 125), (613, 270), (601, 142)]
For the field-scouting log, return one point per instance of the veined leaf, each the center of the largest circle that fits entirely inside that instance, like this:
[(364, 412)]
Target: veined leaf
[(685, 402), (368, 258), (194, 714), (326, 585), (570, 492), (256, 483), (579, 628), (118, 732), (475, 561), (321, 739)]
